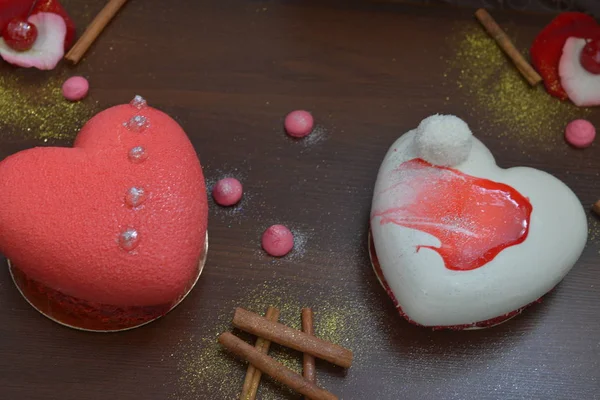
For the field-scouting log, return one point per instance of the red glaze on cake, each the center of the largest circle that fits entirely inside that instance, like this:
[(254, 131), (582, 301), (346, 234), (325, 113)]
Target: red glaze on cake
[(471, 232), (120, 219)]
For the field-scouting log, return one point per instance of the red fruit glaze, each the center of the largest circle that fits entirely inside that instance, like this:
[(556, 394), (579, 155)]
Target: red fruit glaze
[(547, 47), (590, 57), (10, 9), (63, 211), (19, 34), (474, 218)]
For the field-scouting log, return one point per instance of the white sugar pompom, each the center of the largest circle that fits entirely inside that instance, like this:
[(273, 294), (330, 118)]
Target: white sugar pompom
[(443, 140)]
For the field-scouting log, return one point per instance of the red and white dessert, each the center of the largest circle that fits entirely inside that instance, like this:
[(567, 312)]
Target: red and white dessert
[(111, 233), (34, 33), (459, 242), (566, 53)]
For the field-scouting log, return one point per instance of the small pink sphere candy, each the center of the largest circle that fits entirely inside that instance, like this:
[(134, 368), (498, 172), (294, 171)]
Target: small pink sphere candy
[(299, 123), (580, 133), (277, 240), (227, 192), (75, 88)]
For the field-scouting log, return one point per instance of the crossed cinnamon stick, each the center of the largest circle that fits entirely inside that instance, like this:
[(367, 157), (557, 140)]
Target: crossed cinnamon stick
[(252, 380), (269, 330), (308, 362)]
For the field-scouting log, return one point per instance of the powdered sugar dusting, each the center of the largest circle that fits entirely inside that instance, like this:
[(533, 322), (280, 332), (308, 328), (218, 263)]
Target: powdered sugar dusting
[(318, 135), (301, 239)]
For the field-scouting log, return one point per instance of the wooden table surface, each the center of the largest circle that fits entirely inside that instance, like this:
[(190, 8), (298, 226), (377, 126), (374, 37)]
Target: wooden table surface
[(228, 72)]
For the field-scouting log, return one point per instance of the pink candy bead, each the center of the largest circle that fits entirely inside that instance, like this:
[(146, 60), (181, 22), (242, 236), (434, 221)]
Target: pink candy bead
[(227, 192), (277, 240), (580, 133), (299, 123), (75, 88)]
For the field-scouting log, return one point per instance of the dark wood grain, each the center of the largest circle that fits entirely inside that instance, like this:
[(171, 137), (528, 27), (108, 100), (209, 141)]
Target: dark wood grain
[(229, 71)]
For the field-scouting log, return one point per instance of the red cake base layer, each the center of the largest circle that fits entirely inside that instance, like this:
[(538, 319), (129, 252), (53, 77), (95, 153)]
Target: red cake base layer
[(82, 314), (475, 325)]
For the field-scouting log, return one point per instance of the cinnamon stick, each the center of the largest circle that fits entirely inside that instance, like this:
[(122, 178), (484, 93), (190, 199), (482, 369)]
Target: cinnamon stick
[(253, 375), (297, 340), (596, 207), (308, 361), (274, 369), (508, 47), (93, 30)]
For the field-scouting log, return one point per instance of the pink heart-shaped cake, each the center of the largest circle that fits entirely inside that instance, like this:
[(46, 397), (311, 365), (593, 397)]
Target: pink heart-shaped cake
[(459, 242), (116, 225)]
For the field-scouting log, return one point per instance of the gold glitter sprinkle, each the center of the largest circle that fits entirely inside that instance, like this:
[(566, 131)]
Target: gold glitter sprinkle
[(341, 317), (493, 85), (34, 108), (594, 230)]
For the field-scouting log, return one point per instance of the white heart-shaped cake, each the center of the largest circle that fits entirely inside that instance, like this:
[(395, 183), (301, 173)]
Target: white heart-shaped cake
[(459, 242)]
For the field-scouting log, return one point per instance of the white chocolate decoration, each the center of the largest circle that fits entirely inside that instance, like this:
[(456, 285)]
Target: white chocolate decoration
[(443, 140), (473, 244)]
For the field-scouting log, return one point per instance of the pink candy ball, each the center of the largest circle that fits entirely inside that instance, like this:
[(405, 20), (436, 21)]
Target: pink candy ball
[(227, 192), (580, 133), (299, 123), (75, 88), (277, 240)]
